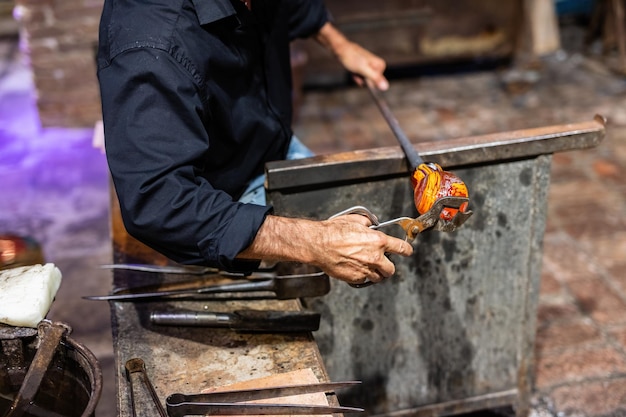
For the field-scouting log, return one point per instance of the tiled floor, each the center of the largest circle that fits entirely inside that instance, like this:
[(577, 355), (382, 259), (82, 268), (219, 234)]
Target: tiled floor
[(54, 187)]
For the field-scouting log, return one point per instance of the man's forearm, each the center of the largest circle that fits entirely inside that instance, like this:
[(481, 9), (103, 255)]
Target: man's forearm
[(331, 38), (280, 239), (353, 57), (345, 247)]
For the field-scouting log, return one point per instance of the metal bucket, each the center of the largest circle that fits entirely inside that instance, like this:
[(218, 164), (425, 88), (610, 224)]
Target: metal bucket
[(69, 386)]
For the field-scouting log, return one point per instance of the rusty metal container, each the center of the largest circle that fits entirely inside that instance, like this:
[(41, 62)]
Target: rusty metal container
[(71, 383), (453, 331)]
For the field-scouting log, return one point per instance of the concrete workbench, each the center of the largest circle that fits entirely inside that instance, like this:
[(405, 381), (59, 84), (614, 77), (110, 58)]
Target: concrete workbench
[(453, 330), (189, 359)]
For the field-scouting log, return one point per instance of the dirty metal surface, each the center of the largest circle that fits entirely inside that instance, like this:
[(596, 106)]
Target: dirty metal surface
[(190, 359), (390, 161), (453, 330)]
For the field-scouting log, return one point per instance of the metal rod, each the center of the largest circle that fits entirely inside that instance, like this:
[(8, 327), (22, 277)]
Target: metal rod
[(411, 154), (50, 335), (137, 367)]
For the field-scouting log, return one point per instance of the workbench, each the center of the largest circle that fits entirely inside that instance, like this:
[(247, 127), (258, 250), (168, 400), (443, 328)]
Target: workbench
[(451, 332), (190, 359)]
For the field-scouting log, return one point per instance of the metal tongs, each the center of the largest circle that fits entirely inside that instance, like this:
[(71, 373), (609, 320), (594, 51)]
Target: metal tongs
[(232, 402), (284, 287), (414, 226)]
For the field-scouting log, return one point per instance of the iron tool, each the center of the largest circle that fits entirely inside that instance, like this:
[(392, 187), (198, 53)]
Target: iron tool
[(231, 402)]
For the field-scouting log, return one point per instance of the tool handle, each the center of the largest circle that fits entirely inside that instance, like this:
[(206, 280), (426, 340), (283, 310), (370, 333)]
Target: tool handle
[(409, 151), (136, 374), (247, 286), (50, 337), (253, 321)]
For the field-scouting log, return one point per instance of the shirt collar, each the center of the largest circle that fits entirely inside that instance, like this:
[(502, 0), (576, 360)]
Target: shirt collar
[(209, 11)]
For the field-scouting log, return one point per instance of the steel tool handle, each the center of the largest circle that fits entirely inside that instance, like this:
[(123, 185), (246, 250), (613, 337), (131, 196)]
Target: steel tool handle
[(242, 409), (284, 287), (252, 321)]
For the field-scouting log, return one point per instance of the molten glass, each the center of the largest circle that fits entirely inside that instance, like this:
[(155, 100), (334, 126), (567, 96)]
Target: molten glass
[(430, 183)]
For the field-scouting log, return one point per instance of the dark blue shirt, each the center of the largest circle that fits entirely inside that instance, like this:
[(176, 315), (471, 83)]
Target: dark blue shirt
[(196, 98)]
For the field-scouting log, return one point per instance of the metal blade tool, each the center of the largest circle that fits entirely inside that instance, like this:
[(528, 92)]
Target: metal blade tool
[(283, 286), (232, 402)]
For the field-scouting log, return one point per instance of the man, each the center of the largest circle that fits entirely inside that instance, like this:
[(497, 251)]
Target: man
[(196, 98)]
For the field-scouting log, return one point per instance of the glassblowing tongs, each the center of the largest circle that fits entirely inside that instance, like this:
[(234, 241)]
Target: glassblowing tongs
[(232, 402), (414, 226)]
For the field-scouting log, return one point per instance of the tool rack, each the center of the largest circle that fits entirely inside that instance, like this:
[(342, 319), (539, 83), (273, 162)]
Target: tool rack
[(452, 332)]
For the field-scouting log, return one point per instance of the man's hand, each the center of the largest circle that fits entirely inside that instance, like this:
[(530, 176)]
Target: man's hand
[(353, 57), (354, 253), (345, 247)]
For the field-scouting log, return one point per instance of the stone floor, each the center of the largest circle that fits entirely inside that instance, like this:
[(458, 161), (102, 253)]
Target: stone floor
[(54, 187)]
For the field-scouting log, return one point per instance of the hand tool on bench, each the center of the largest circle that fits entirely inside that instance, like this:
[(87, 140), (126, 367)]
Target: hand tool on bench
[(50, 337), (187, 270), (430, 182), (283, 286), (136, 374), (232, 402), (248, 321)]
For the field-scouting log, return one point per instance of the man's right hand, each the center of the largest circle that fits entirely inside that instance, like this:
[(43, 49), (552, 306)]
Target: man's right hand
[(345, 247)]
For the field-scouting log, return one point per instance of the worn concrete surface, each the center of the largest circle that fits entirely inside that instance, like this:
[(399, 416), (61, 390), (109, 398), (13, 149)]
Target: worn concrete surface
[(54, 187)]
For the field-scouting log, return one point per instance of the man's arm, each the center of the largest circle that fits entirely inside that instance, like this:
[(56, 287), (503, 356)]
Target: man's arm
[(353, 57), (345, 247)]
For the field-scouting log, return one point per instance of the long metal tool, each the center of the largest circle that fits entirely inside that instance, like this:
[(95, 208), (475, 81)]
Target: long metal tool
[(249, 321), (186, 270), (136, 374), (231, 402), (50, 336), (411, 154), (284, 287)]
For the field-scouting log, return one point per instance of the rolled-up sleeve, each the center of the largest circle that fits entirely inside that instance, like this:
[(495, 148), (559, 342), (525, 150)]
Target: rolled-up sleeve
[(156, 145)]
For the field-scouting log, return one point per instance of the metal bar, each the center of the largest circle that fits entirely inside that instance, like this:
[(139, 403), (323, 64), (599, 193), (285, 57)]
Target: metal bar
[(198, 409), (50, 338), (466, 405), (283, 287), (412, 156), (229, 402), (136, 368), (390, 161)]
